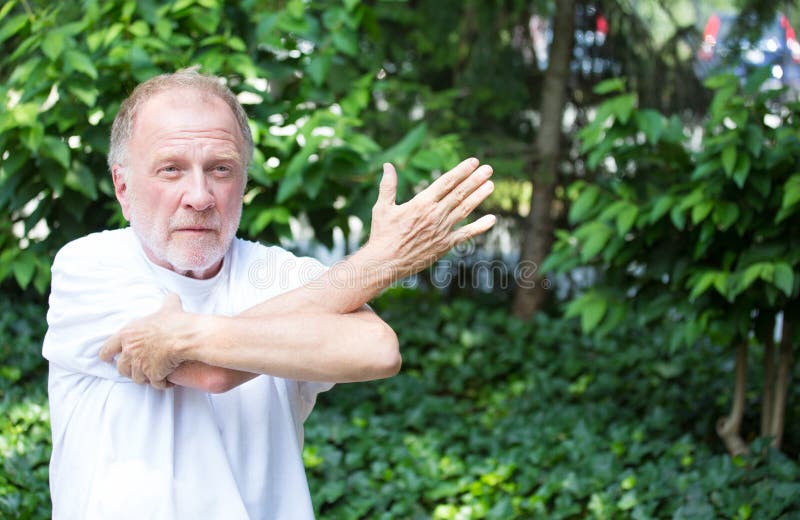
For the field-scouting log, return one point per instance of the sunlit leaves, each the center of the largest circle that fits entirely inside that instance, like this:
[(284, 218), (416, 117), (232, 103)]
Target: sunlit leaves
[(729, 239)]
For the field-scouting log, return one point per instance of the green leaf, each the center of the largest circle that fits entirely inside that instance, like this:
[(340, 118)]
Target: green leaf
[(592, 312), (81, 63), (346, 41), (729, 159), (295, 171), (265, 217), (661, 206), (742, 170), (791, 192), (622, 106), (584, 205), (651, 123), (721, 80), (725, 214), (318, 67), (56, 149), (87, 96), (55, 179), (746, 278), (701, 211), (401, 152), (706, 168), (700, 284), (741, 179), (610, 85), (12, 26), (53, 44), (754, 140), (783, 278), (25, 114), (23, 268), (626, 218), (678, 217), (591, 307), (597, 235), (80, 179), (139, 28)]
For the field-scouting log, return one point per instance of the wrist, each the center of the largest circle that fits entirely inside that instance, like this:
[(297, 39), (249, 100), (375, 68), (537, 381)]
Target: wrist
[(198, 332), (376, 268)]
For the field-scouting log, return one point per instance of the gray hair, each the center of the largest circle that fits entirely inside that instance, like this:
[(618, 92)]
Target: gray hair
[(188, 78)]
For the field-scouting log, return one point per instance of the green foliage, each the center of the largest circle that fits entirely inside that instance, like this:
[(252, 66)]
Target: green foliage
[(492, 417), (24, 415), (299, 68), (698, 232)]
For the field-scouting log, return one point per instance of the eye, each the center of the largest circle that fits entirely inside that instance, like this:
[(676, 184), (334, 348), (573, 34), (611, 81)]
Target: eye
[(169, 171), (222, 170)]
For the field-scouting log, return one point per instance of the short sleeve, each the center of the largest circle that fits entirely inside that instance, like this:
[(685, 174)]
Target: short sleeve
[(96, 289)]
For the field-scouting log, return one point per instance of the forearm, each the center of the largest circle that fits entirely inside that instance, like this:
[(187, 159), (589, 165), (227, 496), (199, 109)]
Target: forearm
[(337, 348), (342, 289), (193, 374)]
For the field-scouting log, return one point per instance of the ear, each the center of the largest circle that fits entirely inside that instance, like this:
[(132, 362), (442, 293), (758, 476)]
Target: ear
[(121, 189)]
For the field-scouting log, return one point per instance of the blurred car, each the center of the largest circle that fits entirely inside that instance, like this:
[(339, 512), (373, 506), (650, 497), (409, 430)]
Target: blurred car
[(775, 46)]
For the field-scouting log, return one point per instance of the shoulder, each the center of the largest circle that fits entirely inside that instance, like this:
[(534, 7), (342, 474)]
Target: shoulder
[(100, 247)]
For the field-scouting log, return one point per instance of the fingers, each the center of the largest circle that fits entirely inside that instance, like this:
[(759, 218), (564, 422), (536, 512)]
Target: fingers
[(161, 385), (111, 348), (447, 182), (124, 366), (172, 302), (387, 191), (476, 180), (481, 225), (137, 373), (468, 205)]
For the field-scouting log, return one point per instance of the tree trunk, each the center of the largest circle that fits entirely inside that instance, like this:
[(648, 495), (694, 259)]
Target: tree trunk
[(728, 428), (782, 380), (769, 386), (765, 333), (537, 228)]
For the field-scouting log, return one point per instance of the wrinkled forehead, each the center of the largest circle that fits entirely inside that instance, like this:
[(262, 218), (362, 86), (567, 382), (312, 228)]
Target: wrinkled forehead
[(185, 109), (161, 105)]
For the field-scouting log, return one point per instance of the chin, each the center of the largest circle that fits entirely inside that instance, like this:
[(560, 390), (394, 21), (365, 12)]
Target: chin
[(195, 261)]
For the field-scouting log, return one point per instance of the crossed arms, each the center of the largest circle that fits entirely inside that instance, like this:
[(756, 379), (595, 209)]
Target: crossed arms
[(321, 331)]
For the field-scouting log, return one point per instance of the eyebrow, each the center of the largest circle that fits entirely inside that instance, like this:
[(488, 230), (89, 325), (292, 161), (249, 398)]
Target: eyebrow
[(215, 157)]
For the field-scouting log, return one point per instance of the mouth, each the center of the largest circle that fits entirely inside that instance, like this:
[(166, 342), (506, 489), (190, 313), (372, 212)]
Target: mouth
[(194, 229)]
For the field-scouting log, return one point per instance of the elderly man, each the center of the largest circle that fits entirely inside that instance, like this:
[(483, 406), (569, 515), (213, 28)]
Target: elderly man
[(184, 361)]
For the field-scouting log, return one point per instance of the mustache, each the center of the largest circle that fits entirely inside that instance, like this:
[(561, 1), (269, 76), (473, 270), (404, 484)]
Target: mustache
[(209, 220)]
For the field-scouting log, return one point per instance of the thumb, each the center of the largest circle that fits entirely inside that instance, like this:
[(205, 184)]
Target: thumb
[(387, 191), (172, 302)]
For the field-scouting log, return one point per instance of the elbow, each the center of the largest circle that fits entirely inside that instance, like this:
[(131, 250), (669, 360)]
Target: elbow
[(218, 381), (389, 360)]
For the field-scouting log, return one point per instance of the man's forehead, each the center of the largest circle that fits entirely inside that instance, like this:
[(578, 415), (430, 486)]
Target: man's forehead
[(182, 97), (187, 107)]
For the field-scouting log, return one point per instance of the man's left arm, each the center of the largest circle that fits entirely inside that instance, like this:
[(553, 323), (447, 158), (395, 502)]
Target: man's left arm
[(321, 331)]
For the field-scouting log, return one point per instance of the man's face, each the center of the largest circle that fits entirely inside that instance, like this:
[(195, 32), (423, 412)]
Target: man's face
[(182, 191)]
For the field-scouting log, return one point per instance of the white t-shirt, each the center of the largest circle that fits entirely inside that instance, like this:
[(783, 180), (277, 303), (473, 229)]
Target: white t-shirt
[(123, 450)]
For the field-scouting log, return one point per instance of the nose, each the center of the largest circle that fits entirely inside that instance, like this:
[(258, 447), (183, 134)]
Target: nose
[(198, 195)]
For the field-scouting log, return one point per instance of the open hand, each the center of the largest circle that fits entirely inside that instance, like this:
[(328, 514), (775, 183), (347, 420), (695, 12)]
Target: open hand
[(413, 235), (148, 348)]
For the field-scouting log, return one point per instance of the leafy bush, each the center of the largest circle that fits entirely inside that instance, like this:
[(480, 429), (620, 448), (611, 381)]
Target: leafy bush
[(24, 415), (495, 418)]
